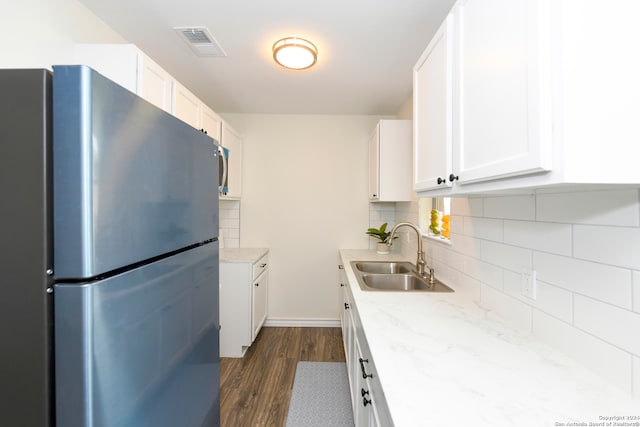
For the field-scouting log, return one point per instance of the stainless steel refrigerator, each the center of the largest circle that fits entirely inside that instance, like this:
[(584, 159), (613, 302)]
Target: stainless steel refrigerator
[(108, 257)]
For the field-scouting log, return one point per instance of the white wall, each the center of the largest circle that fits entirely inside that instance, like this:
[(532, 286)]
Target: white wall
[(304, 197), (41, 33), (585, 249)]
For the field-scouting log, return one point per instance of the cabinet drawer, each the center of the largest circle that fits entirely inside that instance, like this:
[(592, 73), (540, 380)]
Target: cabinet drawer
[(260, 266)]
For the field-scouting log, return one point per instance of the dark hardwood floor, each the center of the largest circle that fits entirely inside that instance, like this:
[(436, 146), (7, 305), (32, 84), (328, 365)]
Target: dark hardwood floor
[(255, 390)]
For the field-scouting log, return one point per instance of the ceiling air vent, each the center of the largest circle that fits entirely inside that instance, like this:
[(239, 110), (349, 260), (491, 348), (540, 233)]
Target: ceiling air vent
[(201, 41)]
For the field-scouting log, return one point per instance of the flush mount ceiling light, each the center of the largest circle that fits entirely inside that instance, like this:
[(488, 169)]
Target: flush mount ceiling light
[(295, 53)]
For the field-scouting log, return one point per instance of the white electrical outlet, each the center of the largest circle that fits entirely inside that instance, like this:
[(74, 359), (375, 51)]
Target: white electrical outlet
[(529, 284)]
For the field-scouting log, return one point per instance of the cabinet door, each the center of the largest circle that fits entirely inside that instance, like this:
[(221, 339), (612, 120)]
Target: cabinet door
[(351, 356), (502, 118), (432, 111), (236, 289), (232, 140), (374, 164), (154, 84), (363, 403), (343, 307), (211, 123), (186, 106), (259, 304)]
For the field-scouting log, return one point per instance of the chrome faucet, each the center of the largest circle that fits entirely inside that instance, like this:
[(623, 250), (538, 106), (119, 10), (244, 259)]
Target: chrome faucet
[(420, 262)]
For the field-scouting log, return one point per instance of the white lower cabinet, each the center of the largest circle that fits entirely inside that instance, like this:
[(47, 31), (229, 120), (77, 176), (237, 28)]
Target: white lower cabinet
[(243, 303), (365, 406), (367, 397)]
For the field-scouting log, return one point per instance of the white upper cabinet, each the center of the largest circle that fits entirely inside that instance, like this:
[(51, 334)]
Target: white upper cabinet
[(501, 120), (154, 83), (210, 123), (374, 164), (186, 106), (232, 140), (432, 111), (190, 109), (542, 94), (128, 66), (390, 161)]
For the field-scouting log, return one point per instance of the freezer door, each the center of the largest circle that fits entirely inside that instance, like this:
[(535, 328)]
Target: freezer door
[(141, 348), (131, 182)]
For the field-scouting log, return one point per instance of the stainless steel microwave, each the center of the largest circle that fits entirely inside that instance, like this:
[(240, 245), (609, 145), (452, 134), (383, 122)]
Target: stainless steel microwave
[(223, 170)]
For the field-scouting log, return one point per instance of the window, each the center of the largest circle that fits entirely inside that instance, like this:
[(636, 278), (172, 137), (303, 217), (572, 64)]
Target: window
[(434, 217)]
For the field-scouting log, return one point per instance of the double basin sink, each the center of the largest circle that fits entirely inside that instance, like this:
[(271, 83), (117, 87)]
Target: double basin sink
[(394, 276)]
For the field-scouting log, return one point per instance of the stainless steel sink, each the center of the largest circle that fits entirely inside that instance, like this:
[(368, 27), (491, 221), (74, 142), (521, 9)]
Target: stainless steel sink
[(402, 282), (383, 267), (394, 276)]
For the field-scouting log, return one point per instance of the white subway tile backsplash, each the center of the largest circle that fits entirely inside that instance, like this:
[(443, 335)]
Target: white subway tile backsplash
[(470, 285), (599, 281), (541, 236), (505, 256), (379, 213), (231, 233), (606, 360), (636, 377), (483, 228), (609, 245), (550, 299), (229, 226), (612, 324), (444, 255), (486, 273), (515, 207), (636, 291), (449, 276), (611, 207), (228, 223), (466, 206), (506, 307), (456, 224), (466, 245), (230, 214), (585, 249), (407, 211), (231, 243)]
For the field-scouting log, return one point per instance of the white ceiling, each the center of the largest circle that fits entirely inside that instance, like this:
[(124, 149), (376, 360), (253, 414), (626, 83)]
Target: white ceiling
[(367, 49)]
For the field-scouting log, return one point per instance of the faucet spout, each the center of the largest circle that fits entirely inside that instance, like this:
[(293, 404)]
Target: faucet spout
[(420, 262)]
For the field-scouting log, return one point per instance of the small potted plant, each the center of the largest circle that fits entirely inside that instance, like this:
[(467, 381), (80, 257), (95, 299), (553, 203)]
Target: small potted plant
[(383, 238)]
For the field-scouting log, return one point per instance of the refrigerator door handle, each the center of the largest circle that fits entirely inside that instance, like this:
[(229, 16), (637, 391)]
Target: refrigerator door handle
[(222, 188)]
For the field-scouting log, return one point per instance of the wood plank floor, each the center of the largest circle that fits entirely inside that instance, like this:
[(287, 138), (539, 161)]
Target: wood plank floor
[(255, 390)]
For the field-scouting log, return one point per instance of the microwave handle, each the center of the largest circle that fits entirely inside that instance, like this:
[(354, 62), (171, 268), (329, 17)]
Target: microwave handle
[(225, 169)]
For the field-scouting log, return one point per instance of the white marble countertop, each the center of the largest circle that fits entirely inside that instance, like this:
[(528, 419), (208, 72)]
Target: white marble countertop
[(444, 361), (242, 254)]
